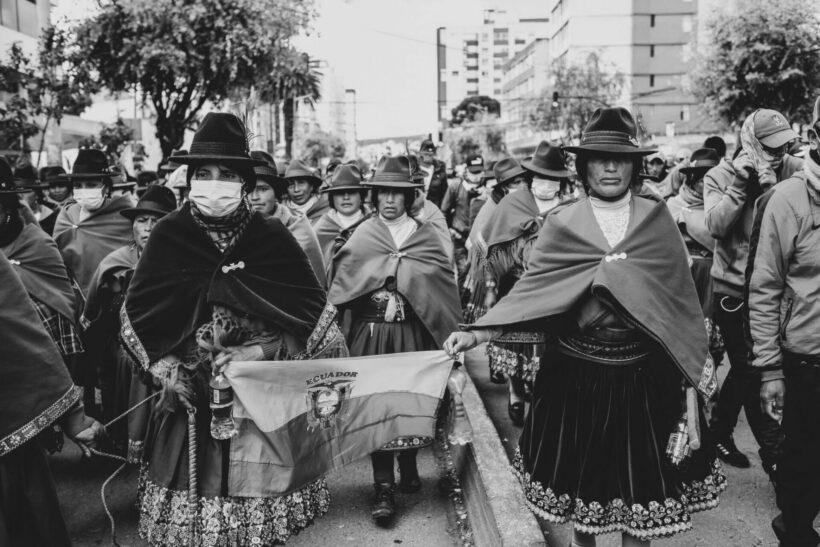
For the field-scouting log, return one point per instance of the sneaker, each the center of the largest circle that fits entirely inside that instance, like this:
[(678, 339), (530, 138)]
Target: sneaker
[(728, 452), (385, 506)]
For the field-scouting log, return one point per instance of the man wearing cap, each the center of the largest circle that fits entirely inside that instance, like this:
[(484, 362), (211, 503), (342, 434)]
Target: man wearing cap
[(784, 321), (656, 166), (730, 192), (270, 188), (86, 231), (304, 198), (434, 171), (456, 209), (101, 322)]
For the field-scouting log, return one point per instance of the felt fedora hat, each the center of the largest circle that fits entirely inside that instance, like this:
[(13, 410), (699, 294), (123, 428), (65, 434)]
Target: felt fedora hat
[(507, 169), (90, 164), (157, 200), (610, 130), (269, 173), (221, 138), (51, 174), (7, 183), (393, 172), (299, 170), (701, 161), (26, 178), (547, 160), (346, 178), (172, 163)]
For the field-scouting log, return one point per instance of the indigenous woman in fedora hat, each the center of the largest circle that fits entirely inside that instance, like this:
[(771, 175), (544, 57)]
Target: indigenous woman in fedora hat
[(512, 231), (86, 231), (303, 192), (265, 198), (32, 192), (396, 280), (627, 362), (35, 258), (218, 282), (101, 322), (346, 196)]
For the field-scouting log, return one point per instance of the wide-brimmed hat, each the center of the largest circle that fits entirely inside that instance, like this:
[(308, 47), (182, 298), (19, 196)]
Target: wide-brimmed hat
[(90, 164), (299, 170), (393, 172), (548, 161), (147, 178), (157, 200), (507, 169), (7, 184), (610, 130), (50, 174), (221, 138), (172, 164), (346, 178), (26, 178), (701, 161), (269, 173)]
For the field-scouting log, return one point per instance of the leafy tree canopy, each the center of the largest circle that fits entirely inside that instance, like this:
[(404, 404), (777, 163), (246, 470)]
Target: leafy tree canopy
[(761, 54), (182, 55), (111, 139), (321, 144), (582, 88), (474, 107)]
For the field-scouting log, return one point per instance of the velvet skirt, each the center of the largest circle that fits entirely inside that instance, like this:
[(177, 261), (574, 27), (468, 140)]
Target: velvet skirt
[(592, 450)]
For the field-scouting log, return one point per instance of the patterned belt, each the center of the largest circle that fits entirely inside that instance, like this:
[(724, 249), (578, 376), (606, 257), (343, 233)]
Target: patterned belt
[(604, 351)]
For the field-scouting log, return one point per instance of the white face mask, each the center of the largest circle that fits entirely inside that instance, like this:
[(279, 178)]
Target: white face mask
[(545, 189), (215, 198), (89, 199)]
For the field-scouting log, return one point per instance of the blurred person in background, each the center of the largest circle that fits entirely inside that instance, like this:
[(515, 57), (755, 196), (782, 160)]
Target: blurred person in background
[(434, 171)]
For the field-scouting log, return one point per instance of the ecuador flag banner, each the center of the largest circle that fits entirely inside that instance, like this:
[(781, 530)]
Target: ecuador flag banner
[(298, 420)]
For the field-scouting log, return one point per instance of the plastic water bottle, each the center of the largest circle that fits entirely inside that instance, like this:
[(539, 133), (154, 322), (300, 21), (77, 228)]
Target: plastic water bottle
[(460, 432), (223, 425)]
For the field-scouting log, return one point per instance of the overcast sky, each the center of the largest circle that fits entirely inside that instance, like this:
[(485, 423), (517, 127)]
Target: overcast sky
[(384, 49)]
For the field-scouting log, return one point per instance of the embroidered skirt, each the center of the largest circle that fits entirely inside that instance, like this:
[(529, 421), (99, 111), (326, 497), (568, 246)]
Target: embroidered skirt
[(593, 447), (516, 355)]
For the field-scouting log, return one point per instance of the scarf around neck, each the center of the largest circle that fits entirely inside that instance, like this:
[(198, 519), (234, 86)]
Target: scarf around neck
[(224, 231), (753, 148)]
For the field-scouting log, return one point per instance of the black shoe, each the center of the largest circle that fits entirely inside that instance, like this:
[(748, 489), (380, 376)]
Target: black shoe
[(497, 377), (516, 412), (410, 484), (385, 506), (728, 452)]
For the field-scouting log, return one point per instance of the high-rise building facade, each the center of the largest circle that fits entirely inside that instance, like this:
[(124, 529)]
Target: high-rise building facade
[(21, 21), (525, 80), (471, 59), (650, 42)]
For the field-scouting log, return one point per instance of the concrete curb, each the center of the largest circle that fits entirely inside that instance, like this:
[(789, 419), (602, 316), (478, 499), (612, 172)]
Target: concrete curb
[(495, 502)]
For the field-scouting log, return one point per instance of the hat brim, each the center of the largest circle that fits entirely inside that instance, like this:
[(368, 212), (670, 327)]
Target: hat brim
[(392, 184), (609, 149), (779, 139), (698, 169), (349, 188), (70, 177), (518, 171), (32, 186), (315, 181), (227, 160), (560, 174), (133, 212)]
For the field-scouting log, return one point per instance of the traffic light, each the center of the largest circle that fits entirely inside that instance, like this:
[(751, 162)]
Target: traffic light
[(555, 99)]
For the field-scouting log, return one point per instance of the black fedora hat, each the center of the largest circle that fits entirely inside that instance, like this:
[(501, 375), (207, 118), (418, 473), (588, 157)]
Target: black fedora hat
[(147, 178), (221, 138), (7, 183), (393, 172), (612, 131), (269, 173), (346, 177), (299, 170), (547, 160), (507, 169), (26, 178), (701, 161), (172, 164), (51, 174), (157, 200), (90, 164)]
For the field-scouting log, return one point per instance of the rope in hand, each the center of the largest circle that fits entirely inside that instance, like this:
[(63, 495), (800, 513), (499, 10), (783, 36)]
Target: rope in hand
[(119, 469)]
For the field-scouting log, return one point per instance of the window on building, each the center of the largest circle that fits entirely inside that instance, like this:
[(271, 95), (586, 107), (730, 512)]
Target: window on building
[(455, 73), (520, 41), (496, 91), (652, 50), (442, 75), (472, 80), (687, 23), (471, 92), (8, 13), (651, 80), (651, 20)]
